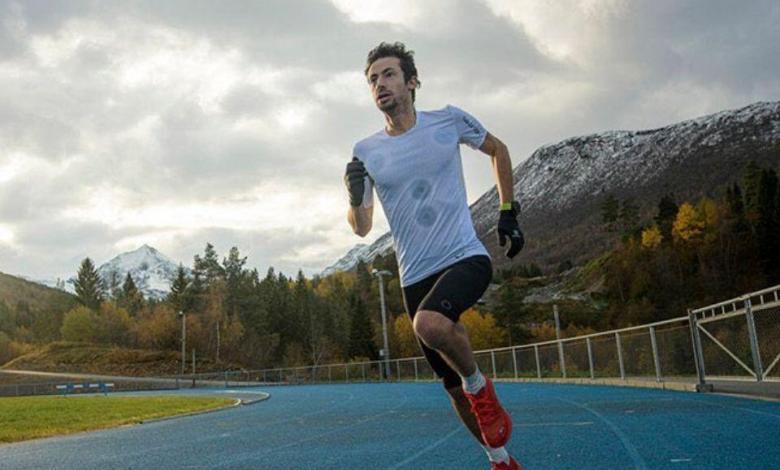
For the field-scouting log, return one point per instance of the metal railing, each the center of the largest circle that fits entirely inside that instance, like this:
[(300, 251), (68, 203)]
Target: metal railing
[(736, 339)]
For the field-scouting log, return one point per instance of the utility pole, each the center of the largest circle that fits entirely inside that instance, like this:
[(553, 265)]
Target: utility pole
[(386, 350), (183, 317), (217, 341)]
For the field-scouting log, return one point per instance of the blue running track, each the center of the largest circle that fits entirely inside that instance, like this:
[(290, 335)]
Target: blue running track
[(412, 426)]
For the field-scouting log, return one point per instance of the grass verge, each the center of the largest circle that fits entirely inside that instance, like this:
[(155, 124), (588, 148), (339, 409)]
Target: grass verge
[(24, 418)]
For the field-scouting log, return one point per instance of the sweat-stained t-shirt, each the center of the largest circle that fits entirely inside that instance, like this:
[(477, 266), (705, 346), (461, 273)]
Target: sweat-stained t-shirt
[(418, 177)]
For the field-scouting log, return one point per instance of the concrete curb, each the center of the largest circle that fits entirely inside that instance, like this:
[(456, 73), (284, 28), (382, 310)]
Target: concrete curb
[(678, 386), (237, 402)]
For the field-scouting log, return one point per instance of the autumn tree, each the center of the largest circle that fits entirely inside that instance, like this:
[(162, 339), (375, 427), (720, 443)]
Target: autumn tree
[(651, 237), (90, 290), (80, 324)]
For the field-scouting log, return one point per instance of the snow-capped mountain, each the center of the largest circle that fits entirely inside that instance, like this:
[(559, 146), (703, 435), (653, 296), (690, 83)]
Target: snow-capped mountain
[(361, 251), (561, 186), (151, 271)]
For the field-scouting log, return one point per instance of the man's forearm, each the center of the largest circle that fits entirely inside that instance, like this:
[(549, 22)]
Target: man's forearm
[(360, 220), (502, 170)]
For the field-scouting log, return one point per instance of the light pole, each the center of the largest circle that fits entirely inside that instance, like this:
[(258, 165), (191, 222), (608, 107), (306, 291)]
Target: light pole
[(386, 350), (183, 317)]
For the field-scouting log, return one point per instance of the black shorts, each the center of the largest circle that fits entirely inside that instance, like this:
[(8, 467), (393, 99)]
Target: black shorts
[(450, 292)]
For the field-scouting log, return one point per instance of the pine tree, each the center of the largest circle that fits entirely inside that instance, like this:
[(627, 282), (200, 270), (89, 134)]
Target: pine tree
[(114, 284), (609, 212), (130, 298), (177, 297), (90, 290), (664, 219), (361, 332), (628, 216), (234, 279), (209, 265)]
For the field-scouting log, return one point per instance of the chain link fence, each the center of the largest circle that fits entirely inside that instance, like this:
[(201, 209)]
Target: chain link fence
[(711, 343), (738, 339)]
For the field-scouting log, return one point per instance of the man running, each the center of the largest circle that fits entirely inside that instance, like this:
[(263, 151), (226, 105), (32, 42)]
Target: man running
[(414, 164)]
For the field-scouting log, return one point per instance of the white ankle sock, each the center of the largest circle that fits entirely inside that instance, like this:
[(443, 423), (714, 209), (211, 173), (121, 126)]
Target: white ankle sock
[(474, 382), (499, 454)]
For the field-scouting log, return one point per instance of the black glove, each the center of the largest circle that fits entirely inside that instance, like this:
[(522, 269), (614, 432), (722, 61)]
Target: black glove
[(508, 227), (355, 181)]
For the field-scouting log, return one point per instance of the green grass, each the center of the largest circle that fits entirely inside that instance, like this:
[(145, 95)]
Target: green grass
[(24, 418)]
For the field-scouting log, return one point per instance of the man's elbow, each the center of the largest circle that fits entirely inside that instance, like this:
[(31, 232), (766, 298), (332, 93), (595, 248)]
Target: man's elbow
[(362, 231)]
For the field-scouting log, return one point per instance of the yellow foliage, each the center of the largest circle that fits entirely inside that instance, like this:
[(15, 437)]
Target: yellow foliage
[(689, 224), (651, 237), (709, 212), (406, 341), (483, 331), (79, 324)]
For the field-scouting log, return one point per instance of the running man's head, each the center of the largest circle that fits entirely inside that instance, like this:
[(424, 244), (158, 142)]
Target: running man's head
[(391, 75)]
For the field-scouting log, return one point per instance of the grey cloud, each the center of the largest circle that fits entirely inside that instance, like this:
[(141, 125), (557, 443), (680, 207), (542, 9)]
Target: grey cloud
[(727, 50)]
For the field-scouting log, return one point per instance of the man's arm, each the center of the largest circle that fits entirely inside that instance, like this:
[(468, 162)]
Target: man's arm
[(360, 218), (359, 187), (502, 166), (507, 228)]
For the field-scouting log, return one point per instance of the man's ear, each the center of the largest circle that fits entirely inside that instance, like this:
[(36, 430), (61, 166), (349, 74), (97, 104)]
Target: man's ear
[(412, 84)]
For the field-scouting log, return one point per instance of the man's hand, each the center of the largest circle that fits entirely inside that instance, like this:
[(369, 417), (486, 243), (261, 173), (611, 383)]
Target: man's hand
[(355, 181), (508, 227)]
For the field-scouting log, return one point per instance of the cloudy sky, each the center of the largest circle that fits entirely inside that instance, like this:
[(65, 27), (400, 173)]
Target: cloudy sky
[(179, 122)]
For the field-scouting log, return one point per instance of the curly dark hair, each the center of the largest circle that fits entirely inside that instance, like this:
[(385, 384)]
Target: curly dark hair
[(396, 49)]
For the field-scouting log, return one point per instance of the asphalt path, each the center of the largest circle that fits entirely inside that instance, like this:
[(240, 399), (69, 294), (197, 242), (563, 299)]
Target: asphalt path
[(411, 426)]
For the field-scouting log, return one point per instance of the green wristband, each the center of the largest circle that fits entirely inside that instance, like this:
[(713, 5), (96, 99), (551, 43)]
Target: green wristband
[(506, 206)]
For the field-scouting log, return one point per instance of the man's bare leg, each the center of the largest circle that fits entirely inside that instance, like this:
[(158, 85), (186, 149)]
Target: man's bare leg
[(450, 339), (462, 407)]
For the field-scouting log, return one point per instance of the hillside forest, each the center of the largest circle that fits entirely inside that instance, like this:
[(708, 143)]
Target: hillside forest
[(668, 255)]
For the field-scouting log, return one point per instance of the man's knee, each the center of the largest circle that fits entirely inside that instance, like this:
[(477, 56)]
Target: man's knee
[(432, 327)]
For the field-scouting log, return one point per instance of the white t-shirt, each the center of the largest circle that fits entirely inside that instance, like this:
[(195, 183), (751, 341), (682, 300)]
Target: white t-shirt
[(418, 177)]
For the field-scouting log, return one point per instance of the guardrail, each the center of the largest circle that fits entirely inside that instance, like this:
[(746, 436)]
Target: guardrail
[(70, 388), (738, 339)]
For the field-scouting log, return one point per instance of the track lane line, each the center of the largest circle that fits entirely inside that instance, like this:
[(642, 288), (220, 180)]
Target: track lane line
[(639, 462)]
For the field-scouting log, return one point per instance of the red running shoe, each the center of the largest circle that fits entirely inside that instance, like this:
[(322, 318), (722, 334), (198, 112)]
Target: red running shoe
[(494, 423), (512, 465)]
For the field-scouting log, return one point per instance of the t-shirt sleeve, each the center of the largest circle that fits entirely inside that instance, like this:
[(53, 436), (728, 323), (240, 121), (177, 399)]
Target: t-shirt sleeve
[(470, 131)]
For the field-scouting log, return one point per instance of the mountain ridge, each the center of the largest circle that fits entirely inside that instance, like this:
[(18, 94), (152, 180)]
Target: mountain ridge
[(561, 185)]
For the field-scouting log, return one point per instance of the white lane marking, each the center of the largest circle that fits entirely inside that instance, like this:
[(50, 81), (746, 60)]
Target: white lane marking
[(427, 449), (573, 423), (679, 460), (639, 462), (253, 455), (707, 402)]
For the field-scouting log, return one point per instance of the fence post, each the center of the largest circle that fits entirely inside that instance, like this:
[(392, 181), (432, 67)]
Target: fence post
[(330, 374), (493, 362), (561, 360), (538, 366), (346, 373), (698, 356), (415, 369), (656, 360), (226, 379), (620, 356), (590, 358), (514, 361), (363, 368), (398, 368), (751, 324)]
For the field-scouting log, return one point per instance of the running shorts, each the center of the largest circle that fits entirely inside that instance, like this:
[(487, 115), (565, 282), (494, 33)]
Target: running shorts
[(450, 292)]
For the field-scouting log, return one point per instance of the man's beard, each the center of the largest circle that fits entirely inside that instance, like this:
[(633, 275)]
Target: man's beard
[(391, 106)]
